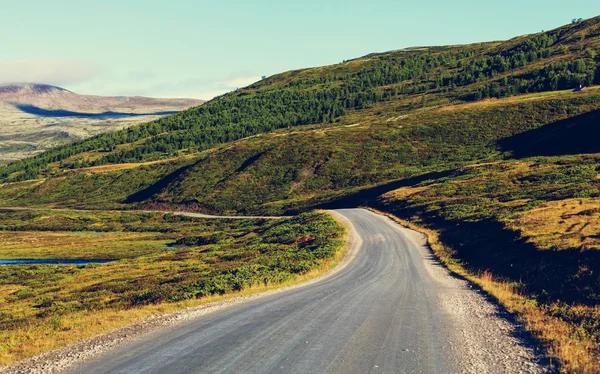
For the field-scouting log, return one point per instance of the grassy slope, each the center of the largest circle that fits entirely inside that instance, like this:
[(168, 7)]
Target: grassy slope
[(405, 80), (521, 172), (294, 169), (46, 306)]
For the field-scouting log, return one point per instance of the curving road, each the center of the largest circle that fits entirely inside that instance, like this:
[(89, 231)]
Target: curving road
[(379, 314)]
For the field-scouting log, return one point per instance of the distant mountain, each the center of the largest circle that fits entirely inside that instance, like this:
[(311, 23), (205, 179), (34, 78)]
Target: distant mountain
[(52, 97), (34, 117)]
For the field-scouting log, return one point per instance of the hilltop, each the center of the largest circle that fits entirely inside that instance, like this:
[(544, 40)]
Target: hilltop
[(487, 138), (36, 117)]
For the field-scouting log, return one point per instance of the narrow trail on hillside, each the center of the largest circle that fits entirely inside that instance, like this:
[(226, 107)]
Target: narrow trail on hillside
[(186, 214)]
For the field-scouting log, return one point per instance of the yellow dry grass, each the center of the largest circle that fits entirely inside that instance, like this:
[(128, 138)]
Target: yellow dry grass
[(563, 348), (64, 244), (564, 224), (114, 167), (404, 192), (518, 99)]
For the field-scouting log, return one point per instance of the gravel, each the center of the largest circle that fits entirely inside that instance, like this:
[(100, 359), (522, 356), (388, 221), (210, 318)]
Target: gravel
[(490, 341)]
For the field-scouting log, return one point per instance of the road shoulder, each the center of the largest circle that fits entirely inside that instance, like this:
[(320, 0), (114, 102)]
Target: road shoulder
[(490, 341)]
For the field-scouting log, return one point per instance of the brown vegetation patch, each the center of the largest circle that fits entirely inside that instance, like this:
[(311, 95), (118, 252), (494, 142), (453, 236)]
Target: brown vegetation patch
[(565, 224)]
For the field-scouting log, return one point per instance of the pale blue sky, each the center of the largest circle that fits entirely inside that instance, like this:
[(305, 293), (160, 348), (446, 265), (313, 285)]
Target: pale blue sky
[(185, 48)]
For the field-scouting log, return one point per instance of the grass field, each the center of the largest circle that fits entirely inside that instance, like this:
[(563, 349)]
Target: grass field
[(161, 262)]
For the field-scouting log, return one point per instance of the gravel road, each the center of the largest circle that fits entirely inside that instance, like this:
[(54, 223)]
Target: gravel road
[(186, 214), (392, 309)]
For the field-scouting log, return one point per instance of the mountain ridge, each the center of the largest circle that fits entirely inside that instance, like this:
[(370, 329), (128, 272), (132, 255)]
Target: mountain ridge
[(51, 97), (35, 117)]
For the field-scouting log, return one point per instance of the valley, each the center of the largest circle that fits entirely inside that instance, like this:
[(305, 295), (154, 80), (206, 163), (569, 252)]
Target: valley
[(37, 117)]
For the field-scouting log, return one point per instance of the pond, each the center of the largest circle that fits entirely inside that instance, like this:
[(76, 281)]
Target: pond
[(51, 262)]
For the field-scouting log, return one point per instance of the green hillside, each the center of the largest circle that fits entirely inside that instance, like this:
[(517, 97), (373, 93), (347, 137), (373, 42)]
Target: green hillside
[(486, 138), (293, 170), (412, 78)]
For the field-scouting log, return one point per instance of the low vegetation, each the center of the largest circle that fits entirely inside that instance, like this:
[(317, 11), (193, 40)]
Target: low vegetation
[(160, 262)]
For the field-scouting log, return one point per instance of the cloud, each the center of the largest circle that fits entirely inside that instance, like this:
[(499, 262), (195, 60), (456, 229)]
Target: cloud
[(152, 84), (49, 71), (199, 88), (237, 82)]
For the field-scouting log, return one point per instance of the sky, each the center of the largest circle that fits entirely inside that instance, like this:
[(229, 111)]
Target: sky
[(203, 48)]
